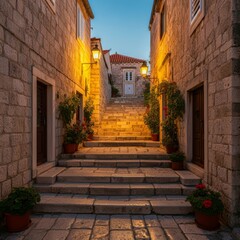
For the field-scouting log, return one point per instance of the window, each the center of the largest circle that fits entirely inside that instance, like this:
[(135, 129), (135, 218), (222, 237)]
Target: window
[(196, 13), (162, 22), (52, 4), (128, 76), (80, 24)]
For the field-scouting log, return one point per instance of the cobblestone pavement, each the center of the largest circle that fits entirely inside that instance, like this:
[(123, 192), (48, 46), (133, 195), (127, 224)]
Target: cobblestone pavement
[(116, 227)]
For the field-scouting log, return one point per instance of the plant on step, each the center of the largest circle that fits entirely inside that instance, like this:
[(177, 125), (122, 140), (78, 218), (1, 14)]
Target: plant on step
[(152, 116), (115, 92), (207, 205), (74, 134), (68, 107), (17, 206), (88, 111), (146, 93), (177, 159), (174, 111)]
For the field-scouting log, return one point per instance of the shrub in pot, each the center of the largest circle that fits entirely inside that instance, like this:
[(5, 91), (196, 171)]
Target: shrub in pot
[(177, 159), (17, 207), (88, 124)]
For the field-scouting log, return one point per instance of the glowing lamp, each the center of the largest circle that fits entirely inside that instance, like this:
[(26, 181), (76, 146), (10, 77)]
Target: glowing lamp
[(96, 53), (144, 69)]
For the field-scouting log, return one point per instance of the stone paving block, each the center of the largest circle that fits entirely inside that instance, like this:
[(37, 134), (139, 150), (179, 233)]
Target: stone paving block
[(120, 222), (177, 207), (184, 219), (141, 234), (74, 188), (110, 189), (49, 177), (127, 178), (121, 235), (156, 233), (175, 234), (84, 221), (186, 190), (36, 234), (56, 235), (102, 220), (151, 221), (188, 178), (79, 234), (46, 222), (197, 237), (100, 232), (165, 189), (193, 229), (167, 221), (64, 221), (137, 221), (142, 189), (122, 207)]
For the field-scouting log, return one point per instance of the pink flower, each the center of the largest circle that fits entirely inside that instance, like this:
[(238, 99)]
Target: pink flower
[(200, 186), (207, 203)]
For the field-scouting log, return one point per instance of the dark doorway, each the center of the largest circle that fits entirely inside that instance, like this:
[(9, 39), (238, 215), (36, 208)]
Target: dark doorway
[(41, 123), (198, 126)]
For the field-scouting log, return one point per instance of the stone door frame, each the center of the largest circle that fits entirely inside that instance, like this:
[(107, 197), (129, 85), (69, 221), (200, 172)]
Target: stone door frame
[(51, 127), (133, 82)]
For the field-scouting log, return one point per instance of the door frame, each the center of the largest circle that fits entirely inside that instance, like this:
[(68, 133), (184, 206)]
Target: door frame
[(133, 70), (51, 127), (201, 172)]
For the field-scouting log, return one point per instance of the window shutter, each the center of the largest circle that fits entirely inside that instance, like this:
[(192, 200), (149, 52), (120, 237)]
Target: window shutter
[(195, 8)]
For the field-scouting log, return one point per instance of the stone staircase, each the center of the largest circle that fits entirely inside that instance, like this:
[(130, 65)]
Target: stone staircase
[(123, 119), (121, 173)]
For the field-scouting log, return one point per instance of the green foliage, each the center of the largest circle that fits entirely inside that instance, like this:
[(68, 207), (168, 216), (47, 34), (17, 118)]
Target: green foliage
[(68, 107), (74, 134), (146, 93), (177, 157), (170, 136), (205, 200), (115, 92), (20, 201), (152, 116), (88, 111)]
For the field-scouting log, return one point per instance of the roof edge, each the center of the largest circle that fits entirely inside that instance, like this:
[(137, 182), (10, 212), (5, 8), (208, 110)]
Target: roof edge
[(154, 9), (88, 8)]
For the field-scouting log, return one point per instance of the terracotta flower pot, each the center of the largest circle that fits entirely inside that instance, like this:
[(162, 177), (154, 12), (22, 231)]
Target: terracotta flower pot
[(207, 222), (155, 137), (17, 223), (69, 148), (90, 137), (177, 165)]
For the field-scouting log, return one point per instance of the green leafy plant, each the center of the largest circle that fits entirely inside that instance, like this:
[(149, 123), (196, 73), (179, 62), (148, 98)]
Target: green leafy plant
[(170, 136), (205, 200), (177, 157), (74, 134), (20, 201), (88, 111), (146, 93), (152, 116), (68, 107)]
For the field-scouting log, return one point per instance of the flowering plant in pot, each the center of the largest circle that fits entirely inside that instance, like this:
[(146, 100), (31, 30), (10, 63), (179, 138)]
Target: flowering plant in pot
[(177, 159), (88, 112), (17, 206), (207, 205)]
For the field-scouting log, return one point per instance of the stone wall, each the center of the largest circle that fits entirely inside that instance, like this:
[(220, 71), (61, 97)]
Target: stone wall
[(100, 88), (31, 34), (117, 77), (206, 57)]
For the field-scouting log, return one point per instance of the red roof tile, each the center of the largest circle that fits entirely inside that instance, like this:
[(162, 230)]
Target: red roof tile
[(106, 51), (118, 58)]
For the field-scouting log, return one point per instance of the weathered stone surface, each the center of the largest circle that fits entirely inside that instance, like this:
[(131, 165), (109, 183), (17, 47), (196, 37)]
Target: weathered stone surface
[(121, 235), (120, 222), (83, 234), (156, 233), (56, 234), (84, 221)]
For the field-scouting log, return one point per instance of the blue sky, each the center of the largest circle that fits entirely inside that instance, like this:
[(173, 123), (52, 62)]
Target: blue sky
[(123, 26)]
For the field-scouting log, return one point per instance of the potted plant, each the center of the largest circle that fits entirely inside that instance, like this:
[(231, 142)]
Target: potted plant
[(207, 205), (146, 94), (174, 111), (74, 135), (170, 135), (17, 207), (152, 116), (177, 159), (88, 111)]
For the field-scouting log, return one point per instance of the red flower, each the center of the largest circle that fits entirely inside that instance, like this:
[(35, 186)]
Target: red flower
[(200, 186), (207, 203)]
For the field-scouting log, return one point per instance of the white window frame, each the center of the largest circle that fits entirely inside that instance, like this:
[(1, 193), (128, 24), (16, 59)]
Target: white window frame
[(52, 5), (198, 16), (80, 24)]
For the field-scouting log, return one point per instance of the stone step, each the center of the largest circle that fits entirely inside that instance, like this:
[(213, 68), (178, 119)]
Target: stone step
[(49, 177), (114, 163), (100, 137), (121, 144), (114, 189), (118, 205)]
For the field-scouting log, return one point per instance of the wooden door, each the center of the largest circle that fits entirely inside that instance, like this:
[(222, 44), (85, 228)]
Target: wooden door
[(129, 82), (41, 123), (198, 126)]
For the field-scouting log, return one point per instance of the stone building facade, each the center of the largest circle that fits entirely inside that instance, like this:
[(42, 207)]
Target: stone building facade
[(198, 48), (126, 75), (100, 88), (43, 44)]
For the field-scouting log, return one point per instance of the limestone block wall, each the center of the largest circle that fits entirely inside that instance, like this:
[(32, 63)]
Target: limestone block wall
[(32, 35), (117, 77), (100, 88), (208, 56)]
